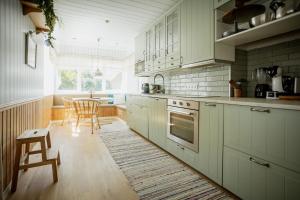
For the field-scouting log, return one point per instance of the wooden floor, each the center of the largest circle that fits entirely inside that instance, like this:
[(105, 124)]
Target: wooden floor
[(87, 170)]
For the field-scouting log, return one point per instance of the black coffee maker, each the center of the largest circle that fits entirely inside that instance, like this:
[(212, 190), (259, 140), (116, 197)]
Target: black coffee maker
[(145, 88), (262, 87)]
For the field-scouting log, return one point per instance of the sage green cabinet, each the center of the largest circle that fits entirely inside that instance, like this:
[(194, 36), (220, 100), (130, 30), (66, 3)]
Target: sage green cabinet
[(158, 121), (140, 47), (173, 38), (149, 53), (137, 114), (270, 134), (197, 35), (211, 141), (197, 31), (252, 178), (159, 45)]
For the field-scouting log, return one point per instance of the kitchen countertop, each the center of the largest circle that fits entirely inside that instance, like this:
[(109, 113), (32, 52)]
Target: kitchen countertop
[(245, 101)]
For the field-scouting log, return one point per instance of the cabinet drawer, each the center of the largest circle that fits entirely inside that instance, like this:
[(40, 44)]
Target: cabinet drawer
[(251, 178), (271, 134), (173, 64)]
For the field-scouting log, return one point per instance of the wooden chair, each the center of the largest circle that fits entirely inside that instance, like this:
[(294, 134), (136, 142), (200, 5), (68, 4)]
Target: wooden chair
[(68, 109), (49, 156), (87, 108)]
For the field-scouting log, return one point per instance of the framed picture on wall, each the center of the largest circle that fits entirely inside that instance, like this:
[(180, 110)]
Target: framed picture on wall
[(30, 51)]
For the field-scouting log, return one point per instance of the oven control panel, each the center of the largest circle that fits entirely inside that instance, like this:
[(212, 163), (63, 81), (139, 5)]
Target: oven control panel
[(194, 105)]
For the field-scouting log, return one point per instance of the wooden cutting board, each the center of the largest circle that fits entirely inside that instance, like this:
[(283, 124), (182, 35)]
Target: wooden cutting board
[(289, 97)]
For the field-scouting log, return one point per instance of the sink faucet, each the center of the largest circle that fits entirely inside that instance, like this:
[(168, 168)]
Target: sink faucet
[(163, 88)]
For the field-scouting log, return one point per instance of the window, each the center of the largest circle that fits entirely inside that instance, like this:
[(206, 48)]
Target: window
[(67, 80), (83, 80), (89, 83)]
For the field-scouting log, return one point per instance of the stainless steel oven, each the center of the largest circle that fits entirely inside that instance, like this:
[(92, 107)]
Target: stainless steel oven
[(183, 123)]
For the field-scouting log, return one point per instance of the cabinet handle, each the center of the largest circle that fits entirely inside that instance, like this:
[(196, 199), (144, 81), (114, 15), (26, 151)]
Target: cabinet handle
[(172, 58), (260, 110), (259, 163), (181, 60), (156, 99), (172, 64), (210, 104)]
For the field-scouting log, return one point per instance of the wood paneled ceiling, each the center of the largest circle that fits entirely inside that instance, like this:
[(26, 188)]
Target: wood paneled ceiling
[(83, 21)]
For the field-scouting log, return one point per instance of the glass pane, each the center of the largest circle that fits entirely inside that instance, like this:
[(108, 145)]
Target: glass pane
[(175, 31), (115, 82), (182, 126), (88, 83), (67, 80)]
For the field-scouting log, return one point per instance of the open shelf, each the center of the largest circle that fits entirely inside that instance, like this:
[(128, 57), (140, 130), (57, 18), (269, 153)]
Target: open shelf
[(279, 26), (36, 15)]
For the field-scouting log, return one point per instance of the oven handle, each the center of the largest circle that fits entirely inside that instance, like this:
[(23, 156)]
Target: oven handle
[(181, 112)]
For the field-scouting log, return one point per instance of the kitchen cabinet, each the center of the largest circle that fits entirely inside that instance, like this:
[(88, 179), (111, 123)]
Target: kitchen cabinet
[(158, 121), (159, 45), (197, 35), (140, 47), (173, 38), (211, 141), (140, 50), (137, 115), (149, 53), (270, 134), (252, 178)]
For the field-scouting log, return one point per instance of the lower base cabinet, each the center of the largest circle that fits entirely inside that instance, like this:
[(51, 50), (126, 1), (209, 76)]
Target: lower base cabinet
[(210, 141), (252, 178), (157, 109)]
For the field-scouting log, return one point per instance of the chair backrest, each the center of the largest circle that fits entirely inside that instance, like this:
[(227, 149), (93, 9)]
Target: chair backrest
[(68, 103), (86, 106)]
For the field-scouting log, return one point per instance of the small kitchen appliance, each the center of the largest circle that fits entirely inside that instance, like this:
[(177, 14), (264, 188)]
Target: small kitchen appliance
[(145, 88), (262, 87)]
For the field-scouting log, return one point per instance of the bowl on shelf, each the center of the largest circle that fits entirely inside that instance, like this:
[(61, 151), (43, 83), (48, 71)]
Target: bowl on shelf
[(257, 20)]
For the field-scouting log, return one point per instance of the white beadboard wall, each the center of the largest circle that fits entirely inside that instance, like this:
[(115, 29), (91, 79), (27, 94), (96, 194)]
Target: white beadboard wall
[(18, 82)]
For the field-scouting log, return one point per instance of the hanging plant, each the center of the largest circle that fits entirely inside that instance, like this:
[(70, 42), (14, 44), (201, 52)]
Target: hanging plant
[(47, 6)]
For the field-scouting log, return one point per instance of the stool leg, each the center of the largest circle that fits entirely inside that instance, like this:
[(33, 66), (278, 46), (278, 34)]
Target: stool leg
[(98, 122), (48, 140), (54, 171), (92, 121), (27, 147), (16, 167)]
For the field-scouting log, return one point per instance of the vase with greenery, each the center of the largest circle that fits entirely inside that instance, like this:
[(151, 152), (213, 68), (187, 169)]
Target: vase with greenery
[(47, 6)]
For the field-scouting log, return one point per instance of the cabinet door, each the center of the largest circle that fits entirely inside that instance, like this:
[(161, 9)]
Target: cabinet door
[(175, 149), (197, 31), (159, 45), (249, 178), (271, 134), (211, 140), (158, 121), (140, 47), (173, 35), (218, 3), (149, 50)]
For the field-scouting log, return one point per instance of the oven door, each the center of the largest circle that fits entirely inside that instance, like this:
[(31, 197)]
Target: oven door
[(183, 127)]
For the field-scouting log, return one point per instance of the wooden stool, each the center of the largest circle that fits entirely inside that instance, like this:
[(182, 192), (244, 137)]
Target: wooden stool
[(49, 156)]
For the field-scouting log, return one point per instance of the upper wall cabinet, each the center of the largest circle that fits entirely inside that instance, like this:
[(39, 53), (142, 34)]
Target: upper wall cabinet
[(173, 38), (159, 45), (197, 35), (140, 46), (149, 56)]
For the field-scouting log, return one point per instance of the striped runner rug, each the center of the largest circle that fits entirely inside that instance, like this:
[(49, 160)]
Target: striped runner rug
[(153, 173)]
